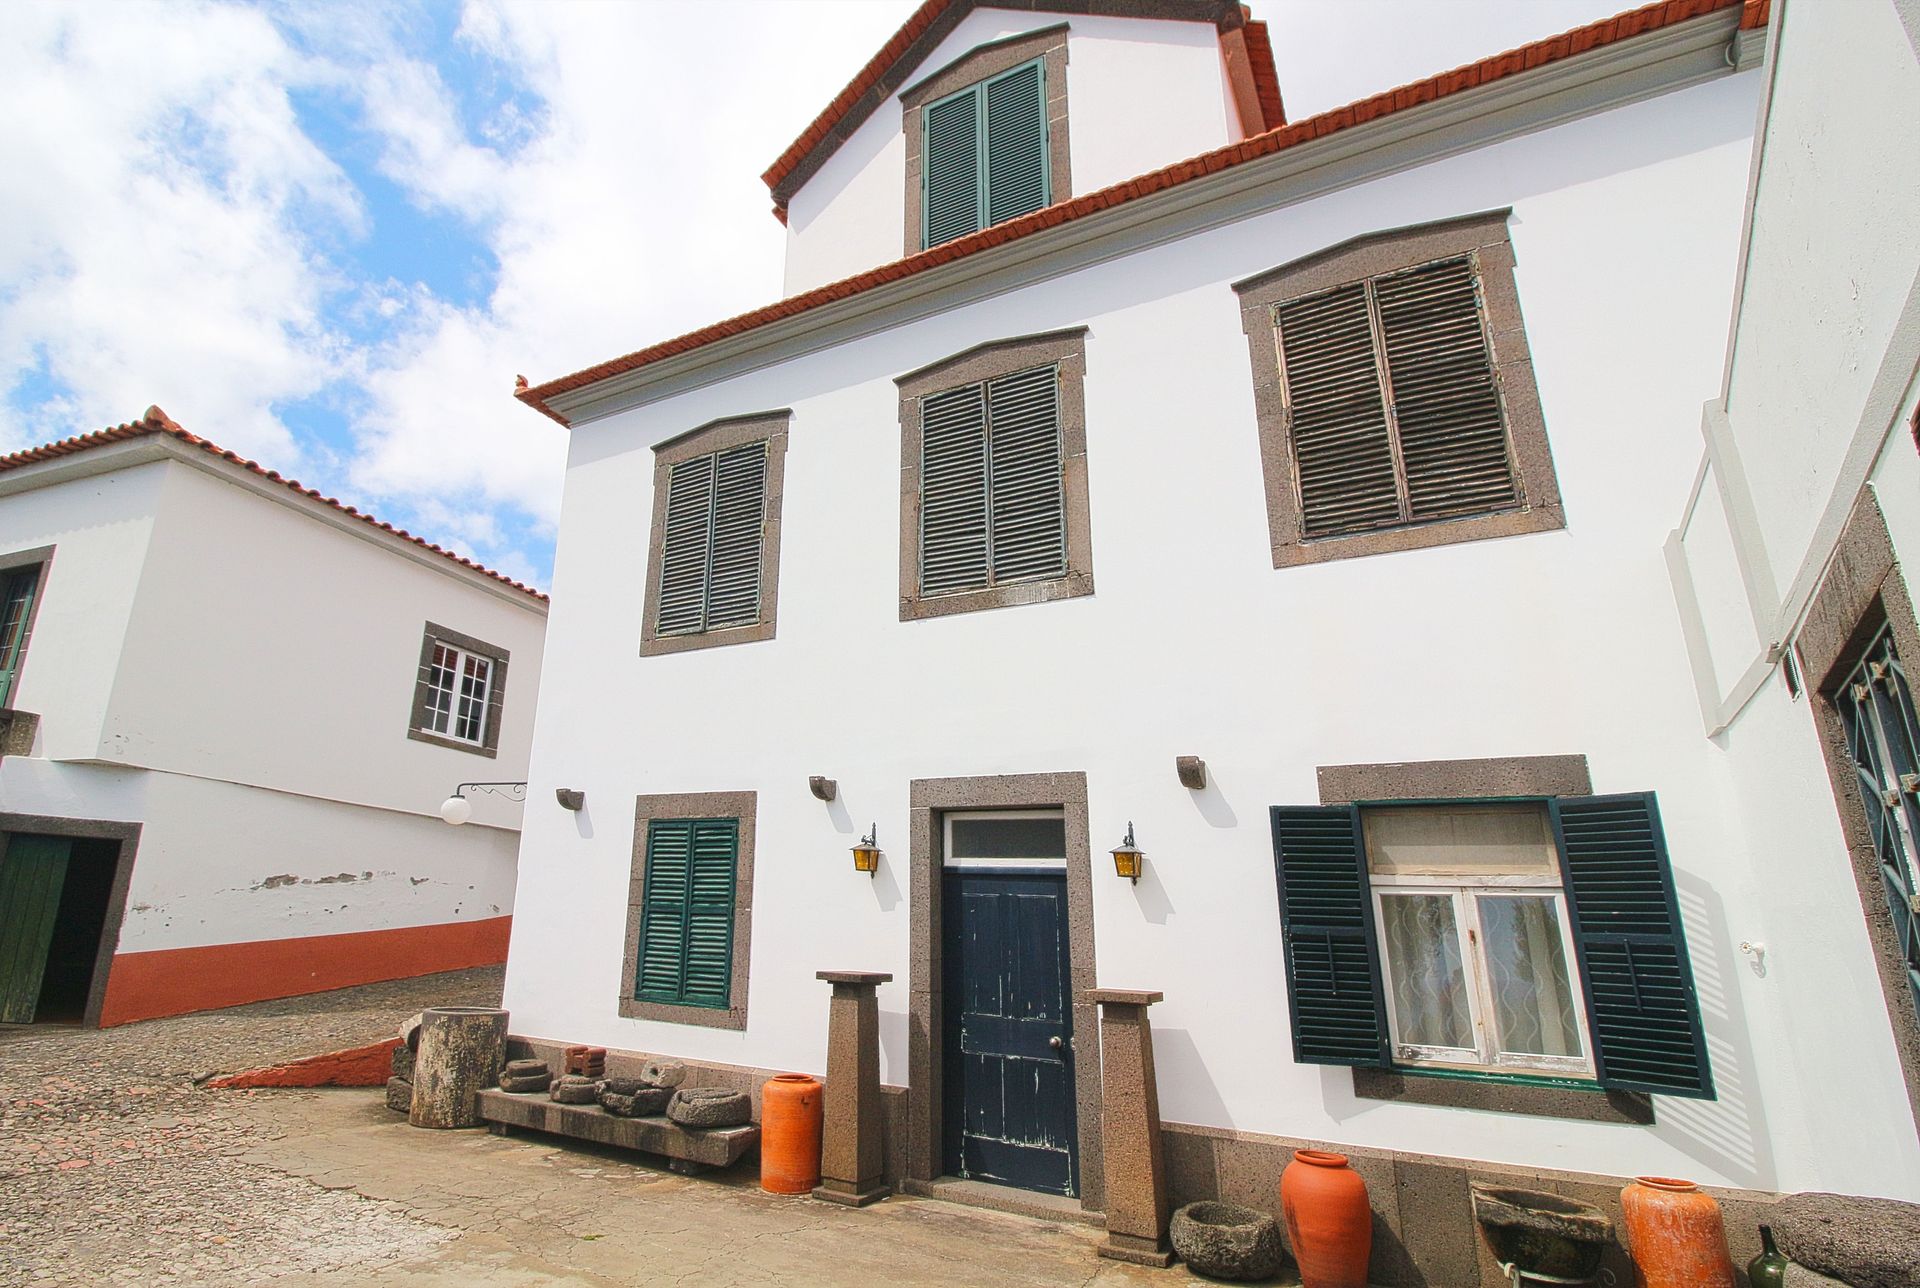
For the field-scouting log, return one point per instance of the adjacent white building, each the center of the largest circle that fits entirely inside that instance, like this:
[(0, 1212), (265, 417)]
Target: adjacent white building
[(1337, 455), (232, 709)]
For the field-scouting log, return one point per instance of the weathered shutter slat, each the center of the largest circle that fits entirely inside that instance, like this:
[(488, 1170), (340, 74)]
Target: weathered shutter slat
[(1446, 406), (16, 609), (1029, 521), (953, 490), (661, 969), (686, 546), (1343, 454), (1016, 114), (1631, 946), (710, 899), (951, 133), (1326, 932), (739, 510)]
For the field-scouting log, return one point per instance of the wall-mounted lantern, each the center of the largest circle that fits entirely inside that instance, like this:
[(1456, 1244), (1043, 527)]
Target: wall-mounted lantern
[(457, 809), (866, 854), (1127, 857)]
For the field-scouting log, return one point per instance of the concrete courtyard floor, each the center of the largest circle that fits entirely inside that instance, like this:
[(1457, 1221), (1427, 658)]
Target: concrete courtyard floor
[(117, 1167)]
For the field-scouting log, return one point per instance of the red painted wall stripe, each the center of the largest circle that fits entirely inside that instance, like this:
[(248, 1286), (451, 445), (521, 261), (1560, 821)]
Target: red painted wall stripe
[(175, 981)]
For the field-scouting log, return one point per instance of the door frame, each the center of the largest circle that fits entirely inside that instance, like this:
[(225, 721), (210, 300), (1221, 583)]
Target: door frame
[(128, 836), (930, 799), (1862, 588)]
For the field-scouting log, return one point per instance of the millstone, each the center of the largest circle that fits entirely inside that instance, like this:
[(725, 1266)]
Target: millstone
[(710, 1107), (531, 1082), (1226, 1241), (643, 1102), (399, 1095), (574, 1090), (663, 1073), (525, 1068), (1869, 1243), (622, 1086)]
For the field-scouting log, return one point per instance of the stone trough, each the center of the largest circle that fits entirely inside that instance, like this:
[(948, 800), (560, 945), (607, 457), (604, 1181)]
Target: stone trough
[(1542, 1238)]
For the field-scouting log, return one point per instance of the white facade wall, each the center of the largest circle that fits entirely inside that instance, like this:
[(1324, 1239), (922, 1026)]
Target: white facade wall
[(1141, 94), (1625, 225), (236, 675)]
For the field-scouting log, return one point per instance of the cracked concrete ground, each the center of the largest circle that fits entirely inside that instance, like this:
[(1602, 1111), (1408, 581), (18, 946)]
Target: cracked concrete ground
[(117, 1168)]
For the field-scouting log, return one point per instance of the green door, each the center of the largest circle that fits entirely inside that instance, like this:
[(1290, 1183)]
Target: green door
[(32, 872)]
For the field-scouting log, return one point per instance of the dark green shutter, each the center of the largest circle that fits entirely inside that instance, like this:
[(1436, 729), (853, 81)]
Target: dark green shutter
[(17, 588), (1016, 113), (1632, 950), (953, 490), (1029, 532), (686, 928), (33, 872), (951, 133), (1339, 1010)]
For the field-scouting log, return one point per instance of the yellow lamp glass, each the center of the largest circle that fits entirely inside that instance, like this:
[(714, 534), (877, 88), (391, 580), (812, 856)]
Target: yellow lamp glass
[(1127, 858), (866, 854)]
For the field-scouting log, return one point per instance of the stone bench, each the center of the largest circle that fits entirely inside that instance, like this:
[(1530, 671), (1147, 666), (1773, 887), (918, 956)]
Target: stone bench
[(687, 1150)]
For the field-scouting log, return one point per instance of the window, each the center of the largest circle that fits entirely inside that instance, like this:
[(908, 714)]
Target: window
[(1473, 937), (457, 697), (986, 138), (688, 909), (1534, 938), (19, 594), (993, 457), (1395, 395), (1025, 838), (714, 553)]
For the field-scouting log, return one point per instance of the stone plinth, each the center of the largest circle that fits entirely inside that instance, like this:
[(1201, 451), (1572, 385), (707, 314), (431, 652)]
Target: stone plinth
[(1136, 1173), (851, 1158)]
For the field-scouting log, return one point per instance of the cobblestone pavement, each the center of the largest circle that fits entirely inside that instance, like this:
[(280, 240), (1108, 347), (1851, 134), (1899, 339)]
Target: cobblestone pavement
[(117, 1168)]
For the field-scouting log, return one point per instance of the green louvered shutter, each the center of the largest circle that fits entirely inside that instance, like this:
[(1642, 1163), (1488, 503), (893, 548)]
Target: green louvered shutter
[(1028, 519), (739, 510), (17, 588), (951, 181), (709, 971), (1631, 947), (686, 929), (953, 490), (1339, 1009), (1016, 113), (33, 872), (686, 547)]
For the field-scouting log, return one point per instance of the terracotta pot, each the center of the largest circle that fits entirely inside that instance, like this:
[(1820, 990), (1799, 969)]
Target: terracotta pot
[(791, 1112), (1329, 1222), (1674, 1235)]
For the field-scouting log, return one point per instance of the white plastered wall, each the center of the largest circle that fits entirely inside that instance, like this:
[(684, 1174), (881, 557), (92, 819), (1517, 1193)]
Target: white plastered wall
[(851, 215), (1625, 227)]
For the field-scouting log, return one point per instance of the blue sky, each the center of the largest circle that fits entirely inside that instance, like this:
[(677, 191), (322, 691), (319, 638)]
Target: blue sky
[(328, 236)]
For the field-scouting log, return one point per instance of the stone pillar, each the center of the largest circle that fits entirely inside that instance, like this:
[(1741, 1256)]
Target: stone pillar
[(851, 1157), (1130, 1128), (461, 1048)]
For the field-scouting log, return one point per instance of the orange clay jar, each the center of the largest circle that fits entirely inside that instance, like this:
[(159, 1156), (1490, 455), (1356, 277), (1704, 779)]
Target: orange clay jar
[(1329, 1222), (1674, 1235), (792, 1110)]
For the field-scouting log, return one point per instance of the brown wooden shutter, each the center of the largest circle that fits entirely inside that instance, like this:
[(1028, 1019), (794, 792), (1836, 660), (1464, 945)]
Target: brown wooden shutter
[(1336, 415)]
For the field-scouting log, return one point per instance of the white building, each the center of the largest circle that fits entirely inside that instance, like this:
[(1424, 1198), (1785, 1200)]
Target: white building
[(1338, 455), (233, 708)]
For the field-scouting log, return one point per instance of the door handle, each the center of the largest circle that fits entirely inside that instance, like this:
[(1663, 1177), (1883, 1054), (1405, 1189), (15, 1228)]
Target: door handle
[(1054, 1042)]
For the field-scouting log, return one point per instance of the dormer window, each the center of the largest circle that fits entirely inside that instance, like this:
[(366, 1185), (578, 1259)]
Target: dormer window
[(986, 138)]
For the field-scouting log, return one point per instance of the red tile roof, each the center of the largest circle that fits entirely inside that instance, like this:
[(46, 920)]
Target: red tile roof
[(1571, 44), (158, 422), (1266, 77)]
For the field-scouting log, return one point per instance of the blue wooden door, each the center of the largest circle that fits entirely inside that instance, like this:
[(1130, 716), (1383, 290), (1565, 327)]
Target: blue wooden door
[(1008, 1110)]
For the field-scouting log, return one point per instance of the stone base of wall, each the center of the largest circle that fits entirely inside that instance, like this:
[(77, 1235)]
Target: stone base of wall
[(1424, 1234)]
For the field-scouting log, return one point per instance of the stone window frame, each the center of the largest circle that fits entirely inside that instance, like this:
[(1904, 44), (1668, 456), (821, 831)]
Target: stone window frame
[(770, 427), (1049, 44), (929, 799), (1485, 237), (43, 556), (489, 745), (1065, 349), (739, 806), (1496, 778), (1863, 589)]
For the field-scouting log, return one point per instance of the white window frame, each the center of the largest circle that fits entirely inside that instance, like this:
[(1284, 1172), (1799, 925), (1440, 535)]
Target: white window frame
[(453, 714), (1466, 891), (995, 815)]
